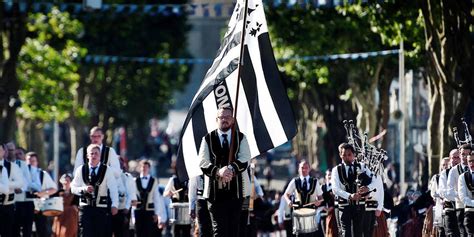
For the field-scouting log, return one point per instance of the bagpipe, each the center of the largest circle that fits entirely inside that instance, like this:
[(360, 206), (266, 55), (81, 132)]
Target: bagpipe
[(366, 153), (467, 136)]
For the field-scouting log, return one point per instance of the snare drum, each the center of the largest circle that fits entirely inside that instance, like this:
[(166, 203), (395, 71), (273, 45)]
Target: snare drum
[(179, 214), (52, 206), (304, 221)]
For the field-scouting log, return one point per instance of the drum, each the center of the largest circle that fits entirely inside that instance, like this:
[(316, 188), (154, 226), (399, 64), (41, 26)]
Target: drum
[(304, 221), (179, 214), (52, 206)]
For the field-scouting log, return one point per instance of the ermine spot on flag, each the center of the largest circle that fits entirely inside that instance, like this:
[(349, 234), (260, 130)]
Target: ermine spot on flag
[(264, 112)]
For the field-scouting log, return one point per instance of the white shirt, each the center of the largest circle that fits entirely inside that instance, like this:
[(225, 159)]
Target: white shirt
[(113, 161), (464, 193), (47, 180), (16, 179), (221, 138), (78, 186), (339, 189), (4, 181), (194, 184), (452, 193), (442, 185)]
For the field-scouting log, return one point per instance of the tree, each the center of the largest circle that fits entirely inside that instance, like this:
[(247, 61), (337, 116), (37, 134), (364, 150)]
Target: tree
[(48, 73)]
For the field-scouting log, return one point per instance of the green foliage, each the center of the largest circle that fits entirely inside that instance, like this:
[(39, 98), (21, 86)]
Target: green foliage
[(48, 67)]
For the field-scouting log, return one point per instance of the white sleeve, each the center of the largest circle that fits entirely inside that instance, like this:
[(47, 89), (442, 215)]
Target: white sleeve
[(4, 181), (78, 186), (26, 175), (290, 189), (112, 186), (379, 193), (159, 204), (452, 183), (192, 193), (169, 189), (16, 179), (79, 159), (114, 163), (463, 192), (48, 182), (337, 186), (281, 210), (442, 184), (131, 191), (433, 187), (319, 190), (258, 187)]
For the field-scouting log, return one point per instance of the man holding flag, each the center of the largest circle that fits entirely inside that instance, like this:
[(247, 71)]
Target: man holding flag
[(245, 79), (226, 182)]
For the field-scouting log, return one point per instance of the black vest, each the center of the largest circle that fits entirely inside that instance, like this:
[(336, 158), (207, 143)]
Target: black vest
[(220, 158), (305, 194), (144, 192), (183, 194), (95, 182)]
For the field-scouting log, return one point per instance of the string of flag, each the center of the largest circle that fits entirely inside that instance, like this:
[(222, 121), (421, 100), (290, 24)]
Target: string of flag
[(108, 59), (200, 10)]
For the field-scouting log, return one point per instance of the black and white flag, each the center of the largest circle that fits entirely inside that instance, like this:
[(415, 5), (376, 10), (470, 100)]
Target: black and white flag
[(264, 113)]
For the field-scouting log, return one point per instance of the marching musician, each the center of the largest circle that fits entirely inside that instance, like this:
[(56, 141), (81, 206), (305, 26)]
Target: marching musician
[(7, 201), (150, 213), (96, 185), (178, 192), (453, 196), (466, 195), (449, 213), (306, 190), (248, 225), (348, 192), (24, 209), (373, 205), (328, 218), (198, 206), (4, 192), (108, 155), (434, 188), (42, 185), (225, 186), (127, 194)]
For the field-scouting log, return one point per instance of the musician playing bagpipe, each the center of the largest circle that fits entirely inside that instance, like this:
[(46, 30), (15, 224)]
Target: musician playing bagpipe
[(448, 207), (307, 196), (96, 185), (466, 195), (351, 182)]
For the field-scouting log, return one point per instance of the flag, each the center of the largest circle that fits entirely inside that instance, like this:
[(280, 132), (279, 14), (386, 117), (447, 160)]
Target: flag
[(264, 113)]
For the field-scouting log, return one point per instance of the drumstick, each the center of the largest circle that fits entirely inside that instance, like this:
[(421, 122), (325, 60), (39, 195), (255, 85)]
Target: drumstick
[(177, 191)]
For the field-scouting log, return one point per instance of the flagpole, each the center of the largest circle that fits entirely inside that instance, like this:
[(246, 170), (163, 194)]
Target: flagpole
[(241, 64)]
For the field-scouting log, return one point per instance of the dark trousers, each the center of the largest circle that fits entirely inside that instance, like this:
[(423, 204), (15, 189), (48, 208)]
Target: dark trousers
[(181, 230), (204, 218), (94, 222), (451, 224), (248, 227), (40, 224), (351, 220), (144, 224), (469, 223), (225, 216), (24, 212), (7, 216), (288, 228), (460, 217), (368, 223), (121, 224)]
